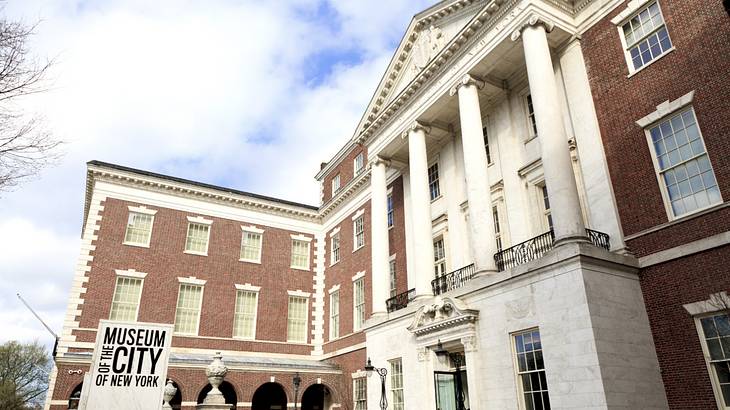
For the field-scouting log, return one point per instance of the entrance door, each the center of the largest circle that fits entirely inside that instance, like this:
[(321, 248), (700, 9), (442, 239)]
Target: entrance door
[(447, 392)]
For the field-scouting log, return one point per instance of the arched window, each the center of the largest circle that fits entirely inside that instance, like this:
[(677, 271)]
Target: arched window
[(75, 397)]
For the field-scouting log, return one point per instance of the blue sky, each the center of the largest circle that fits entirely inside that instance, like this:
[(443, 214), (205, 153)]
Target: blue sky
[(247, 94)]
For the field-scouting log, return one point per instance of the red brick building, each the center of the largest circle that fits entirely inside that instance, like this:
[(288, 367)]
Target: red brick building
[(665, 122)]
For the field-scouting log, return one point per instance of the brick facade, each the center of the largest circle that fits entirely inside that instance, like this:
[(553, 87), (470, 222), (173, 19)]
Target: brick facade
[(700, 33), (345, 168)]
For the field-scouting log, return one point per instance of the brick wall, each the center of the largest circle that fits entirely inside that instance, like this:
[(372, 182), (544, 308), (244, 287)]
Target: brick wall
[(700, 32), (397, 236), (345, 169), (164, 261)]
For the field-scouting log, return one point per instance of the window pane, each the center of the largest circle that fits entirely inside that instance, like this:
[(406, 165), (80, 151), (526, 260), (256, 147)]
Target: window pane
[(297, 319), (126, 299), (433, 181), (197, 239), (139, 229), (300, 254), (187, 314)]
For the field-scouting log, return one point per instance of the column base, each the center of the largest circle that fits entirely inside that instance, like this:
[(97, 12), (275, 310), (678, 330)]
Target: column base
[(422, 298), (484, 272), (570, 239)]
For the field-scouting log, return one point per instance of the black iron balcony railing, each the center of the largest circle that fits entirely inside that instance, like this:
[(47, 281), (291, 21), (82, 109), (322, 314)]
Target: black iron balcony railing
[(400, 300), (453, 280), (536, 247)]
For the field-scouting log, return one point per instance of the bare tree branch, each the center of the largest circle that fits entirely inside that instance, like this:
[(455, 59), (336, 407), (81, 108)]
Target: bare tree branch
[(24, 370)]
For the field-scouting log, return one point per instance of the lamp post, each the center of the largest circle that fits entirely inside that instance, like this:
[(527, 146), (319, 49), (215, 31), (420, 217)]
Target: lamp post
[(382, 372), (296, 380)]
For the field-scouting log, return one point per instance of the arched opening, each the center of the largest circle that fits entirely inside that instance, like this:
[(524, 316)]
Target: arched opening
[(229, 393), (269, 396), (176, 401), (75, 397), (317, 397)]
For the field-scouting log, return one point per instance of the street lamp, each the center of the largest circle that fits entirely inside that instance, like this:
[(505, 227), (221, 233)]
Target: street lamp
[(382, 372), (296, 381)]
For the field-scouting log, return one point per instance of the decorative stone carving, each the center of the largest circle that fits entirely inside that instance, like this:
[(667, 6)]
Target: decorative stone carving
[(216, 372), (533, 20), (443, 313), (415, 126), (430, 41), (168, 393), (469, 343), (467, 79)]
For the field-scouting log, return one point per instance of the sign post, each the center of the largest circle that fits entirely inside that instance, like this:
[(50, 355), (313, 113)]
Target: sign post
[(129, 368)]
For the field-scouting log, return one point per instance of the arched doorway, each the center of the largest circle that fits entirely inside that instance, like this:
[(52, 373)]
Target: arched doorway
[(176, 401), (75, 397), (229, 393), (317, 397), (269, 396)]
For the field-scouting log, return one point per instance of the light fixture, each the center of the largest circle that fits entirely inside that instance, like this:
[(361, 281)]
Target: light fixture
[(440, 351), (382, 372)]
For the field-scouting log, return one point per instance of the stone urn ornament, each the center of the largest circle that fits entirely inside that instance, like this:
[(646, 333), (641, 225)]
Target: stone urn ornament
[(168, 393), (216, 372)]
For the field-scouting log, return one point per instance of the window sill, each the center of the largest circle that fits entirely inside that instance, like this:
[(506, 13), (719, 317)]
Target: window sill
[(683, 218), (358, 248), (437, 198), (258, 262), (196, 253), (633, 73), (244, 339), (299, 268), (335, 262), (391, 227), (138, 245), (297, 342), (185, 334), (530, 139)]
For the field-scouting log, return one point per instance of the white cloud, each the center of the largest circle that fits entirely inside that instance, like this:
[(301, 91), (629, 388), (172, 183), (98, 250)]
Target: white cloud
[(213, 91)]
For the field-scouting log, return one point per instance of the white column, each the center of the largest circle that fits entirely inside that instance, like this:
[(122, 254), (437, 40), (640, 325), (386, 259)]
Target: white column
[(481, 222), (379, 239), (420, 209), (556, 162)]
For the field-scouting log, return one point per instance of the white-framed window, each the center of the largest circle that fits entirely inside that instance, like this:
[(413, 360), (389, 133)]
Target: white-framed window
[(545, 202), (360, 393), (139, 229), (359, 231), (486, 145), (125, 303), (683, 167), (359, 163), (244, 317), (299, 254), (393, 283), (187, 314), (335, 247), (439, 257), (433, 181), (530, 366), (358, 304), (296, 330), (390, 214), (335, 184), (497, 227), (644, 36), (197, 238), (334, 315), (531, 120), (251, 244), (396, 384), (715, 338)]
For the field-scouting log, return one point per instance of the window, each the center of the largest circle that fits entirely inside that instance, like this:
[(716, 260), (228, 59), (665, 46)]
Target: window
[(486, 145), (688, 182), (531, 370), (433, 181), (359, 393), (197, 238), (139, 229), (244, 318), (393, 286), (299, 254), (546, 207), (335, 314), (251, 246), (439, 257), (125, 303), (335, 184), (716, 343), (396, 384), (359, 163), (645, 36), (497, 228), (359, 229), (390, 210), (531, 116), (335, 246), (187, 315), (296, 330), (359, 300)]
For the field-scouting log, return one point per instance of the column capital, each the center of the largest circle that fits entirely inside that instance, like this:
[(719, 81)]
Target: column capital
[(467, 79), (378, 160), (416, 126), (532, 21)]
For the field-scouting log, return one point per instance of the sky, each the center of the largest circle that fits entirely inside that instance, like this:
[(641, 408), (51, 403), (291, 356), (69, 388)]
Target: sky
[(251, 95)]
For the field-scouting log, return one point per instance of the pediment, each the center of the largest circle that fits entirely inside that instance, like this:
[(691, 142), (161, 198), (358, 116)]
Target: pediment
[(426, 36), (442, 314)]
